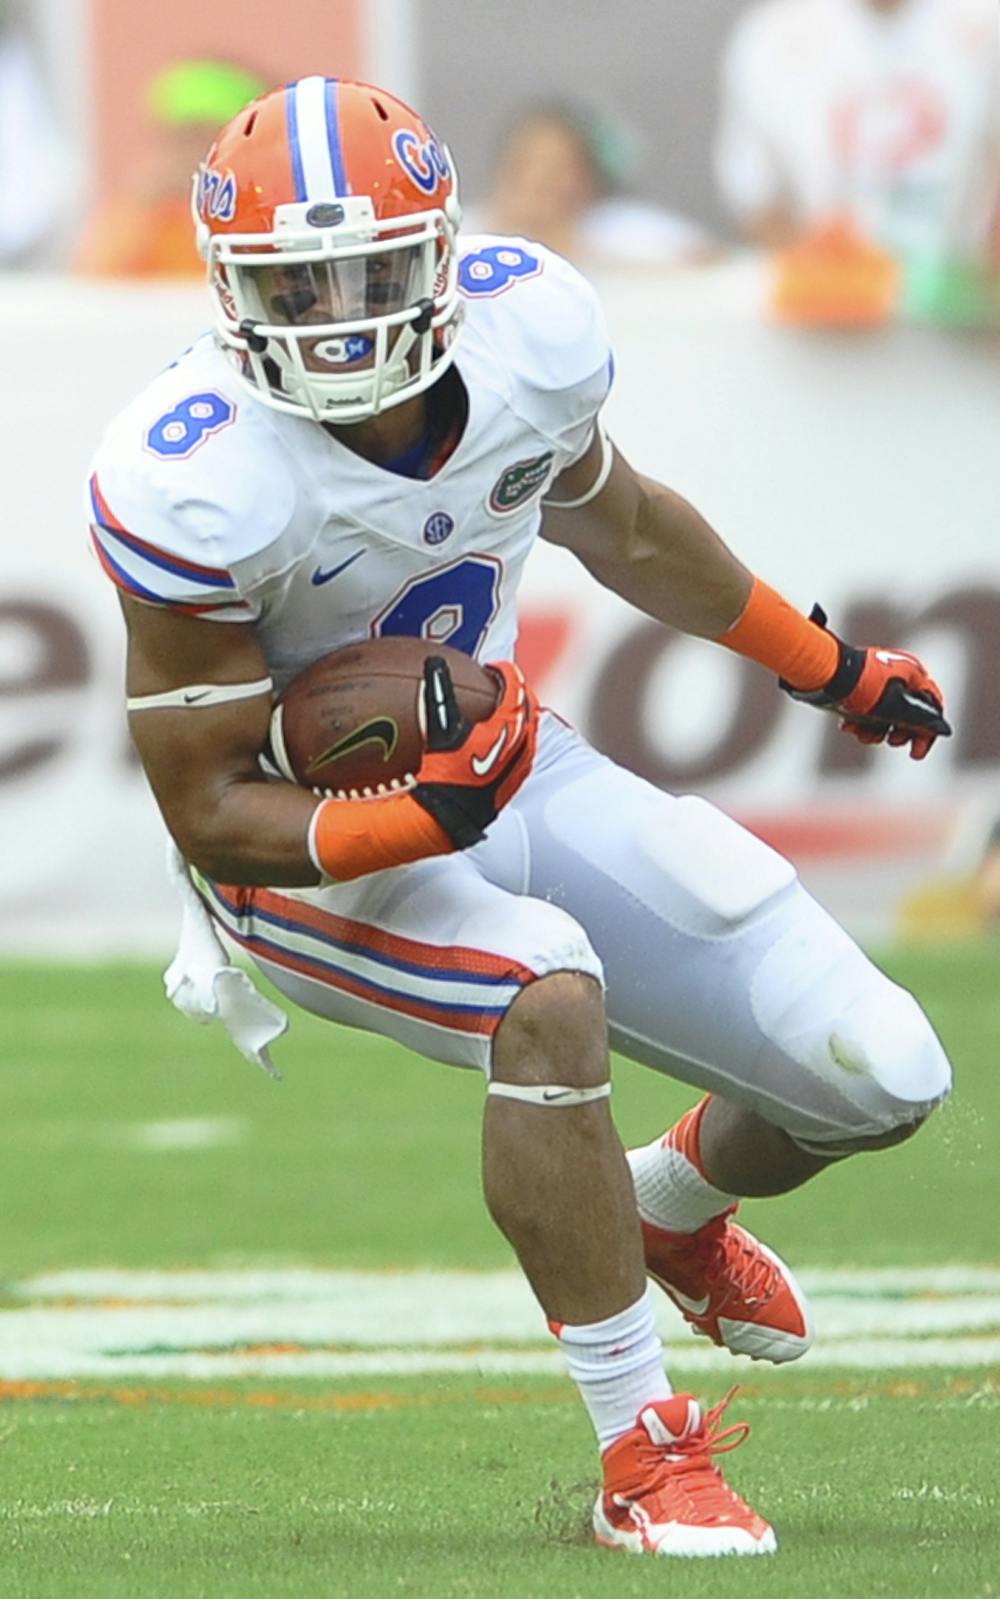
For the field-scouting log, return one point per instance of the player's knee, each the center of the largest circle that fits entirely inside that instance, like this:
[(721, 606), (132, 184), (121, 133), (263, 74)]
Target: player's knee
[(554, 1033), (895, 1071)]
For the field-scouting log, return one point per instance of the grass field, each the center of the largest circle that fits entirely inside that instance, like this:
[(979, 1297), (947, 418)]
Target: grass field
[(358, 1417)]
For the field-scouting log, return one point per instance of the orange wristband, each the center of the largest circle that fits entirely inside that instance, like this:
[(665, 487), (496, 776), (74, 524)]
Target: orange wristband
[(350, 838), (771, 631)]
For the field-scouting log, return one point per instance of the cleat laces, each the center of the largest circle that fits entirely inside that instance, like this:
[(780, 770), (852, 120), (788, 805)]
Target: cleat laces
[(686, 1466), (731, 1264)]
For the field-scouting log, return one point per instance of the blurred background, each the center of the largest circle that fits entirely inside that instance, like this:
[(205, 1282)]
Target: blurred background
[(790, 210)]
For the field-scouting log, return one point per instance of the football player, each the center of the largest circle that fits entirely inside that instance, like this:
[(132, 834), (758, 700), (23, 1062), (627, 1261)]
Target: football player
[(381, 424)]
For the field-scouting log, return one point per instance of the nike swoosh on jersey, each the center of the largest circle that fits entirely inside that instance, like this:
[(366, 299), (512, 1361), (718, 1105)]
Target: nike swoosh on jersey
[(695, 1307), (379, 730), (320, 576), (483, 767)]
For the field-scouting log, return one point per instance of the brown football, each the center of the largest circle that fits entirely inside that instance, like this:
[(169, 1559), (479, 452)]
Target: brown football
[(351, 723)]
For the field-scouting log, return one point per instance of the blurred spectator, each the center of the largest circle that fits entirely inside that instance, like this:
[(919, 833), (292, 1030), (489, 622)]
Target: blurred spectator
[(33, 175), (147, 230), (883, 112), (561, 178)]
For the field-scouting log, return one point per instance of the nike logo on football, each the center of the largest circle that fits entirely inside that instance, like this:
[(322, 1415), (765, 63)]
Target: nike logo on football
[(379, 730), (483, 767), (694, 1307), (320, 576)]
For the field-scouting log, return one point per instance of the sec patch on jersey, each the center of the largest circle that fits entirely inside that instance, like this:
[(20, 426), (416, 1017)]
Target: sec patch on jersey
[(353, 722)]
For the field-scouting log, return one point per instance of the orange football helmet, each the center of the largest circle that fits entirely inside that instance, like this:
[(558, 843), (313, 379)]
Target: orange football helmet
[(327, 212)]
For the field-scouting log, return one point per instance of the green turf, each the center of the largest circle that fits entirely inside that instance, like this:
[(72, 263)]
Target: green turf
[(460, 1494), (366, 1155)]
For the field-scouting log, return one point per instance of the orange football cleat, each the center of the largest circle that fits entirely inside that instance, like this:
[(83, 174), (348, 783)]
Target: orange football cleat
[(663, 1493), (731, 1288)]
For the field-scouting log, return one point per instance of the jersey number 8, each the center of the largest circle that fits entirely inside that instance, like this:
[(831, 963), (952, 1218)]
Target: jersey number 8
[(184, 429), (493, 269), (454, 605)]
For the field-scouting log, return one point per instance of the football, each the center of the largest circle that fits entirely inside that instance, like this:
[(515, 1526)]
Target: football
[(353, 722)]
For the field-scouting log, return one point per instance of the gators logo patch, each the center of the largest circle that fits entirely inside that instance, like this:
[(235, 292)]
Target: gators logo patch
[(519, 483)]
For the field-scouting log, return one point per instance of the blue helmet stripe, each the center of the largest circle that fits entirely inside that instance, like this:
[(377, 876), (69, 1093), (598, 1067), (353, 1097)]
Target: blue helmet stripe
[(292, 113), (333, 134)]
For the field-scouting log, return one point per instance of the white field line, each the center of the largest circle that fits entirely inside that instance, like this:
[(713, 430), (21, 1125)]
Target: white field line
[(316, 1282), (205, 1324), (381, 1321)]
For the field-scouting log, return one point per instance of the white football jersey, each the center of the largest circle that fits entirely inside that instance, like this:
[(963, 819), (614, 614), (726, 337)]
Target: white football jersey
[(893, 116), (203, 499)]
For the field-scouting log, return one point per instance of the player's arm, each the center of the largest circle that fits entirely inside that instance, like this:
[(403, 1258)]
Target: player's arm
[(652, 547), (201, 758), (199, 710)]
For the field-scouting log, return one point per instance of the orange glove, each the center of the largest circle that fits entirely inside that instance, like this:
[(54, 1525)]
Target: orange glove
[(879, 694), (467, 775)]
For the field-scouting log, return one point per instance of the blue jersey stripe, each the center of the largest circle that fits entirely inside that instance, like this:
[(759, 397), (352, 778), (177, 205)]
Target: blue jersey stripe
[(333, 135), (165, 562), (350, 947), (375, 991), (118, 573), (298, 172)]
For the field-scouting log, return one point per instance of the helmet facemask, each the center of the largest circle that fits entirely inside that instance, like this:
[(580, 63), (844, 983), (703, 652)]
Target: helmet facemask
[(337, 315)]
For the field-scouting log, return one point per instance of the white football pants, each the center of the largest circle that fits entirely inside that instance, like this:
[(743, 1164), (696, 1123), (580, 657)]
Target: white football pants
[(719, 968)]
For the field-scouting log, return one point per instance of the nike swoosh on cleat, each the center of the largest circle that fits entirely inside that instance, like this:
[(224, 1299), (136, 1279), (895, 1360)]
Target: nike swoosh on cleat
[(486, 765), (695, 1307), (319, 576)]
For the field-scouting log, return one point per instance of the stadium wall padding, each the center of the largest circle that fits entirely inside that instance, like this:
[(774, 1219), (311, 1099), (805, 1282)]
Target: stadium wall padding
[(860, 470)]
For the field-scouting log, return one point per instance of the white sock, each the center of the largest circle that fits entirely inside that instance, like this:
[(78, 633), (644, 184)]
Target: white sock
[(618, 1367), (671, 1192)]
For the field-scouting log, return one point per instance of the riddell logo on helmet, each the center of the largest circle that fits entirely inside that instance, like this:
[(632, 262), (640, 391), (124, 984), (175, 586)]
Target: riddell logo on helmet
[(423, 160)]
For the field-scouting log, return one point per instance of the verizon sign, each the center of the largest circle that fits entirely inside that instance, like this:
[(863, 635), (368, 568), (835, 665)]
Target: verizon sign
[(861, 472)]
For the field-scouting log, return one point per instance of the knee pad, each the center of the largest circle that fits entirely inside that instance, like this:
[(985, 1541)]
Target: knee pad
[(869, 1059), (838, 1149)]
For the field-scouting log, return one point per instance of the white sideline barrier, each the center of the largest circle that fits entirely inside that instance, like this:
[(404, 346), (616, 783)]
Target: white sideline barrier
[(861, 470)]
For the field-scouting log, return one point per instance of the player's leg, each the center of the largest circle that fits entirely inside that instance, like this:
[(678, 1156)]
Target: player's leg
[(722, 971), (439, 958)]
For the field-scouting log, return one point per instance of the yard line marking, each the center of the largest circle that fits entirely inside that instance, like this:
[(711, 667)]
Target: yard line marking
[(308, 1282), (376, 1319), (867, 1355), (298, 1321)]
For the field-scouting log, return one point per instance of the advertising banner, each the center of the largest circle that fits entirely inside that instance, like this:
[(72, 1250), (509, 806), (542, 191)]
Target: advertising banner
[(860, 471)]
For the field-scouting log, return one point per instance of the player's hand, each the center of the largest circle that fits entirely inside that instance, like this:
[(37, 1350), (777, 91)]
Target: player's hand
[(471, 769), (880, 694)]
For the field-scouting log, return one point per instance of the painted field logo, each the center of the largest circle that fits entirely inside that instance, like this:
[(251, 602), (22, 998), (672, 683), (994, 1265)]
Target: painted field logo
[(519, 483)]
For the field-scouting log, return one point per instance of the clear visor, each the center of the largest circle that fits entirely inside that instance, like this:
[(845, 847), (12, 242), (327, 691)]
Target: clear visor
[(318, 293)]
